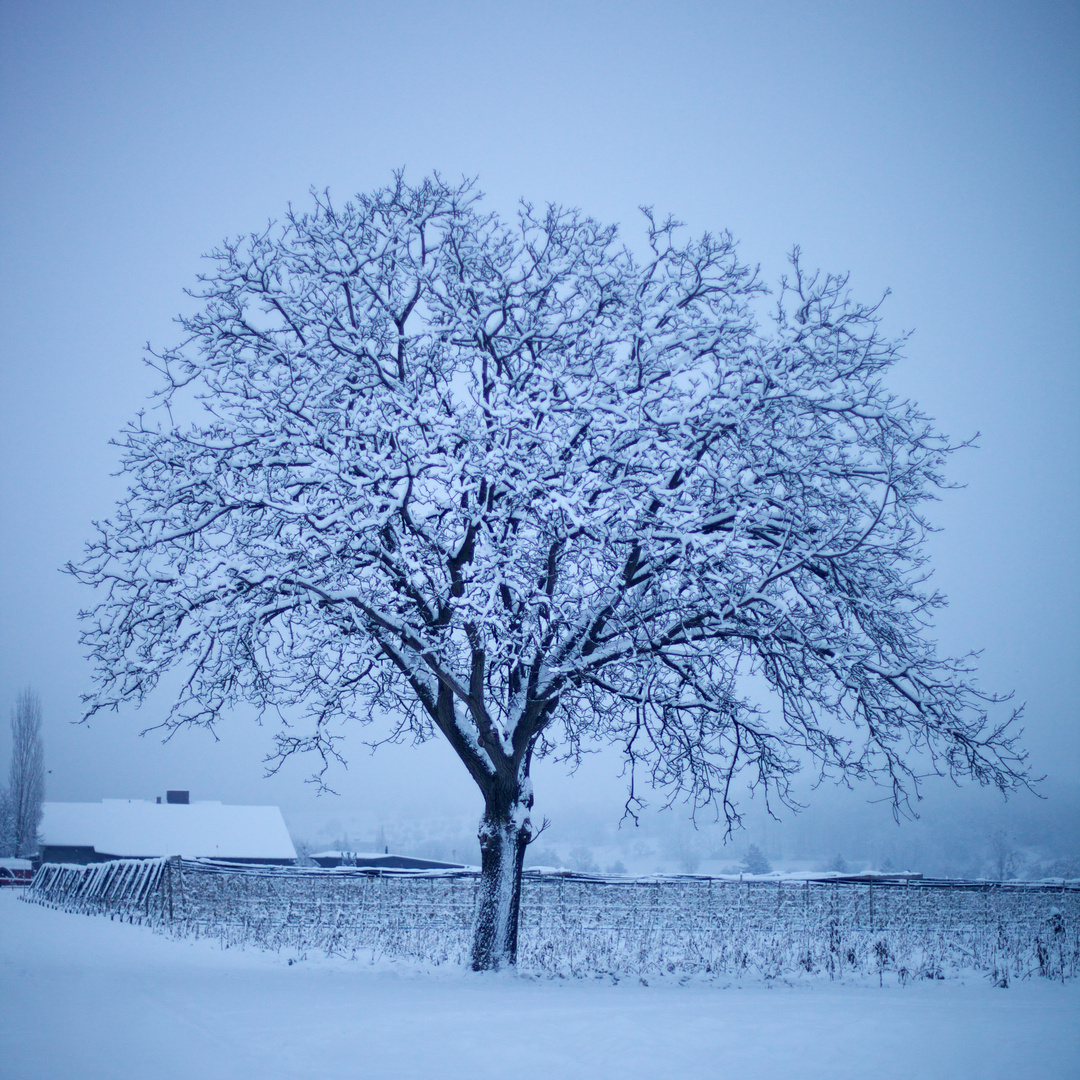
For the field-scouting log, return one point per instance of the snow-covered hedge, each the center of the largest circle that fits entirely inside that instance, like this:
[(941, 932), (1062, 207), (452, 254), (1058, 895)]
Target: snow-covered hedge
[(577, 925)]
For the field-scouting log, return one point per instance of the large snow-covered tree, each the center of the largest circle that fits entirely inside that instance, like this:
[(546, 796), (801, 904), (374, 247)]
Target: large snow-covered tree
[(512, 484)]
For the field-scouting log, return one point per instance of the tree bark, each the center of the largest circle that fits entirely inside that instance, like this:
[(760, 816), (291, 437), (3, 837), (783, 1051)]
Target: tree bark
[(504, 834)]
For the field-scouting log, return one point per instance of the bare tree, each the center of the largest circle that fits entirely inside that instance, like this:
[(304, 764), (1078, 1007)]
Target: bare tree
[(1005, 860), (7, 825), (513, 485), (26, 778)]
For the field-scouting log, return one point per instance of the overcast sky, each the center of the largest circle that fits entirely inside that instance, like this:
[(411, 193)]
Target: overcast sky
[(929, 148)]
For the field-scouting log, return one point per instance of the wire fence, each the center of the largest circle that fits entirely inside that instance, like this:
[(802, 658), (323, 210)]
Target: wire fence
[(577, 925)]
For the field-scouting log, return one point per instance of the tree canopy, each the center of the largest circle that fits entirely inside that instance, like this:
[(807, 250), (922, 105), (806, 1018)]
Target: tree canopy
[(514, 484)]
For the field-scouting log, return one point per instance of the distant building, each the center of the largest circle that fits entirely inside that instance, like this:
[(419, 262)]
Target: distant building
[(330, 859), (139, 829), (16, 871)]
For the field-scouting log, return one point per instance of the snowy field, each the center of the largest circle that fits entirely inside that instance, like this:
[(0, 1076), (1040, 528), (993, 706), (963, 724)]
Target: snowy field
[(85, 998)]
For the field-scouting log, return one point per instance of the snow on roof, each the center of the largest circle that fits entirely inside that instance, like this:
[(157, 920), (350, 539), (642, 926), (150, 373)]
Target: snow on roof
[(138, 828), (349, 854)]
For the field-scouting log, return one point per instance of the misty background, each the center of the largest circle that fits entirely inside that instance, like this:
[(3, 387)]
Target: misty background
[(928, 149)]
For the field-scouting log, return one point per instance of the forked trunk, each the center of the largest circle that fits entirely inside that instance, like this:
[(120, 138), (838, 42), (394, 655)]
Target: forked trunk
[(504, 836)]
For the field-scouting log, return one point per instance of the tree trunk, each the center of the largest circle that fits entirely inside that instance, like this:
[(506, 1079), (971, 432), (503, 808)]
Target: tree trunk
[(504, 835)]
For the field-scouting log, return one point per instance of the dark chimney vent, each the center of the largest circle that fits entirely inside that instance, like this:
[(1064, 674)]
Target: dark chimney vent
[(177, 797)]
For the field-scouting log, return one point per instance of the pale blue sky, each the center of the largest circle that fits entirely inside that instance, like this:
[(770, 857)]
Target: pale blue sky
[(930, 148)]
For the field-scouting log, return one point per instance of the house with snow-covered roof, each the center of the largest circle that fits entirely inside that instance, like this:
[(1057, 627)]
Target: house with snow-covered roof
[(140, 829)]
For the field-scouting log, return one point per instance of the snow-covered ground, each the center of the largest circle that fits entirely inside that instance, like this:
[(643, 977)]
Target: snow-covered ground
[(83, 998)]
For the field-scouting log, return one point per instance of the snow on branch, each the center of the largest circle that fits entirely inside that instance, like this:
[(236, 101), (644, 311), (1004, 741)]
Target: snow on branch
[(516, 486)]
